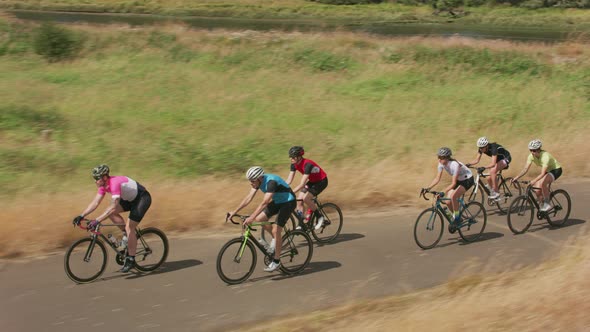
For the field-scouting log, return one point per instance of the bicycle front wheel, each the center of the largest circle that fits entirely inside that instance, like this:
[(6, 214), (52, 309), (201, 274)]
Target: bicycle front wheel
[(152, 249), (85, 260), (473, 221), (236, 261), (474, 194), (520, 215), (508, 193), (561, 207), (296, 252), (331, 226), (428, 229)]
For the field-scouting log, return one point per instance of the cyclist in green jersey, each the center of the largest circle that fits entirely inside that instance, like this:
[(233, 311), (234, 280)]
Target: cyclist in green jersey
[(550, 171)]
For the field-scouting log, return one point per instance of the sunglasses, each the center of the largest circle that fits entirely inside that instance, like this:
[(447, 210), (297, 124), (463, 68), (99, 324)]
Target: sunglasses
[(534, 150)]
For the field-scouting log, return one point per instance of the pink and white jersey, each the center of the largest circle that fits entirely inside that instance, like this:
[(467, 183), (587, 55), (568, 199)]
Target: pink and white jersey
[(120, 186)]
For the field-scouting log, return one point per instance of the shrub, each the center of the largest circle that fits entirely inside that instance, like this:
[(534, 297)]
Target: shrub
[(56, 43)]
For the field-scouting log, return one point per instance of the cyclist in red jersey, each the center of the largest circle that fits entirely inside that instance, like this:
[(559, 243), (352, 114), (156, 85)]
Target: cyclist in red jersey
[(313, 182)]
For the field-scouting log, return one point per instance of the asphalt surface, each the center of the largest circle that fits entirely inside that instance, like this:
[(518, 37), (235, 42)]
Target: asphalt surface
[(375, 256)]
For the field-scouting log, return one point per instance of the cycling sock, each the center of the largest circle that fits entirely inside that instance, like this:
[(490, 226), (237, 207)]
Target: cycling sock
[(276, 260)]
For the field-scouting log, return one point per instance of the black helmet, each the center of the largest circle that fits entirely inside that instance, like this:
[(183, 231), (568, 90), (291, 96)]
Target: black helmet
[(296, 151), (99, 171)]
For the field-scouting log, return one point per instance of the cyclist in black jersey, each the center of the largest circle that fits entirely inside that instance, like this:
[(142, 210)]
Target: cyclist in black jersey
[(500, 160)]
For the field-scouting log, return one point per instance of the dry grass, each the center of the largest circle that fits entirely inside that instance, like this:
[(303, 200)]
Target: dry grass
[(550, 297)]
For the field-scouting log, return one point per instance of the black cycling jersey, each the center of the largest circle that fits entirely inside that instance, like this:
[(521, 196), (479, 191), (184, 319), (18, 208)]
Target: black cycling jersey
[(498, 150)]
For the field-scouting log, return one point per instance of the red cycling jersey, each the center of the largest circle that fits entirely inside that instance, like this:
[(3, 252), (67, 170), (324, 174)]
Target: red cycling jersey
[(307, 166)]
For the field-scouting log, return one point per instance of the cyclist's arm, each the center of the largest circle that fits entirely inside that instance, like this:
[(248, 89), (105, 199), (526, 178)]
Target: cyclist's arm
[(304, 180), (265, 201), (93, 205), (435, 181), (523, 172), (245, 201), (114, 202), (476, 160), (290, 177)]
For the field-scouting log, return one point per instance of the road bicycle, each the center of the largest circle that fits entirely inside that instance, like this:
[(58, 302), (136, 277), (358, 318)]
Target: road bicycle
[(429, 226), (508, 190), (331, 227), (86, 259), (522, 210), (237, 258)]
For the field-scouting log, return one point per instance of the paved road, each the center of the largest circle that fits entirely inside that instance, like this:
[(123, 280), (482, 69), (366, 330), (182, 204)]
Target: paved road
[(375, 256)]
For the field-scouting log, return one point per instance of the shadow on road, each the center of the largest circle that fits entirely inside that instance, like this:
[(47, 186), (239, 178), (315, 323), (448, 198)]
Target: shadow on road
[(458, 240), (343, 238), (313, 267), (168, 267), (545, 225)]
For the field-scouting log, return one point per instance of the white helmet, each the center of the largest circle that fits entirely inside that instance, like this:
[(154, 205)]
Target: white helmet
[(535, 144), (482, 142), (254, 173), (444, 152)]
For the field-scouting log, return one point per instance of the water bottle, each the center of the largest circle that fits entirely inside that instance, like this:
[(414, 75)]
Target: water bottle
[(299, 214), (112, 239), (124, 242), (264, 243), (448, 213)]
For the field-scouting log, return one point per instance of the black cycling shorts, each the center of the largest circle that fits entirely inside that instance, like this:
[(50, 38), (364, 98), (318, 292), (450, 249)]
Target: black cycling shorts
[(316, 188), (283, 209), (138, 206), (556, 173), (467, 183)]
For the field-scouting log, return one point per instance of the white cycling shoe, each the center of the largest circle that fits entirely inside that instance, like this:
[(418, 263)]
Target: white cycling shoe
[(272, 266), (320, 223), (546, 207)]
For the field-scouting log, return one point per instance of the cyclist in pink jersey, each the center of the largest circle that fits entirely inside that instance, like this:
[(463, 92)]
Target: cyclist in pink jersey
[(126, 195), (313, 182)]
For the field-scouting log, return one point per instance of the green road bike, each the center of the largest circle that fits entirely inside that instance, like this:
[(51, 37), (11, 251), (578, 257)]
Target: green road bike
[(429, 226), (86, 259), (237, 258)]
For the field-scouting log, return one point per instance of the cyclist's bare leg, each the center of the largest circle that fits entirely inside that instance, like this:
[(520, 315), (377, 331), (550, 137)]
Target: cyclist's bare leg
[(300, 196), (117, 219), (543, 194), (272, 229), (262, 217), (454, 195), (308, 200), (131, 237), (493, 178)]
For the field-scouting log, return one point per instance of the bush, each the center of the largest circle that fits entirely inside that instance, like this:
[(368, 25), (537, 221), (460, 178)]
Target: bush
[(56, 43)]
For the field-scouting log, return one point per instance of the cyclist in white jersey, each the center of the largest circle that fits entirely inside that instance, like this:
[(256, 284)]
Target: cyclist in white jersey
[(126, 195), (462, 179)]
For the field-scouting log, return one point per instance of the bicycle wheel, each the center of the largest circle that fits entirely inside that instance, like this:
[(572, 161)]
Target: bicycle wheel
[(472, 195), (152, 249), (520, 215), (473, 221), (428, 229), (83, 262), (235, 265), (508, 193), (332, 224), (561, 207), (296, 252)]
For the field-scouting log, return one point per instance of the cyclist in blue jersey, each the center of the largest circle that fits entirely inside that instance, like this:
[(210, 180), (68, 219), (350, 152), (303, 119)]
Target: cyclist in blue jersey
[(278, 199)]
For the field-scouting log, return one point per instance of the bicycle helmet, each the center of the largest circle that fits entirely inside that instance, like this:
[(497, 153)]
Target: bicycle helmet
[(99, 171), (444, 152), (254, 173), (296, 151), (535, 144), (482, 142)]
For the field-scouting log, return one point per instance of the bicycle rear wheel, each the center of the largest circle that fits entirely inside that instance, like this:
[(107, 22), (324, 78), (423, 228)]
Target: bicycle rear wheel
[(152, 249), (85, 260), (508, 193), (428, 229), (520, 215), (561, 207), (235, 266), (331, 226), (296, 252), (473, 221)]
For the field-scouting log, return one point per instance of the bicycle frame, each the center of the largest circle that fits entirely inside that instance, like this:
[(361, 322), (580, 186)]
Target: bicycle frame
[(532, 197), (96, 234)]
